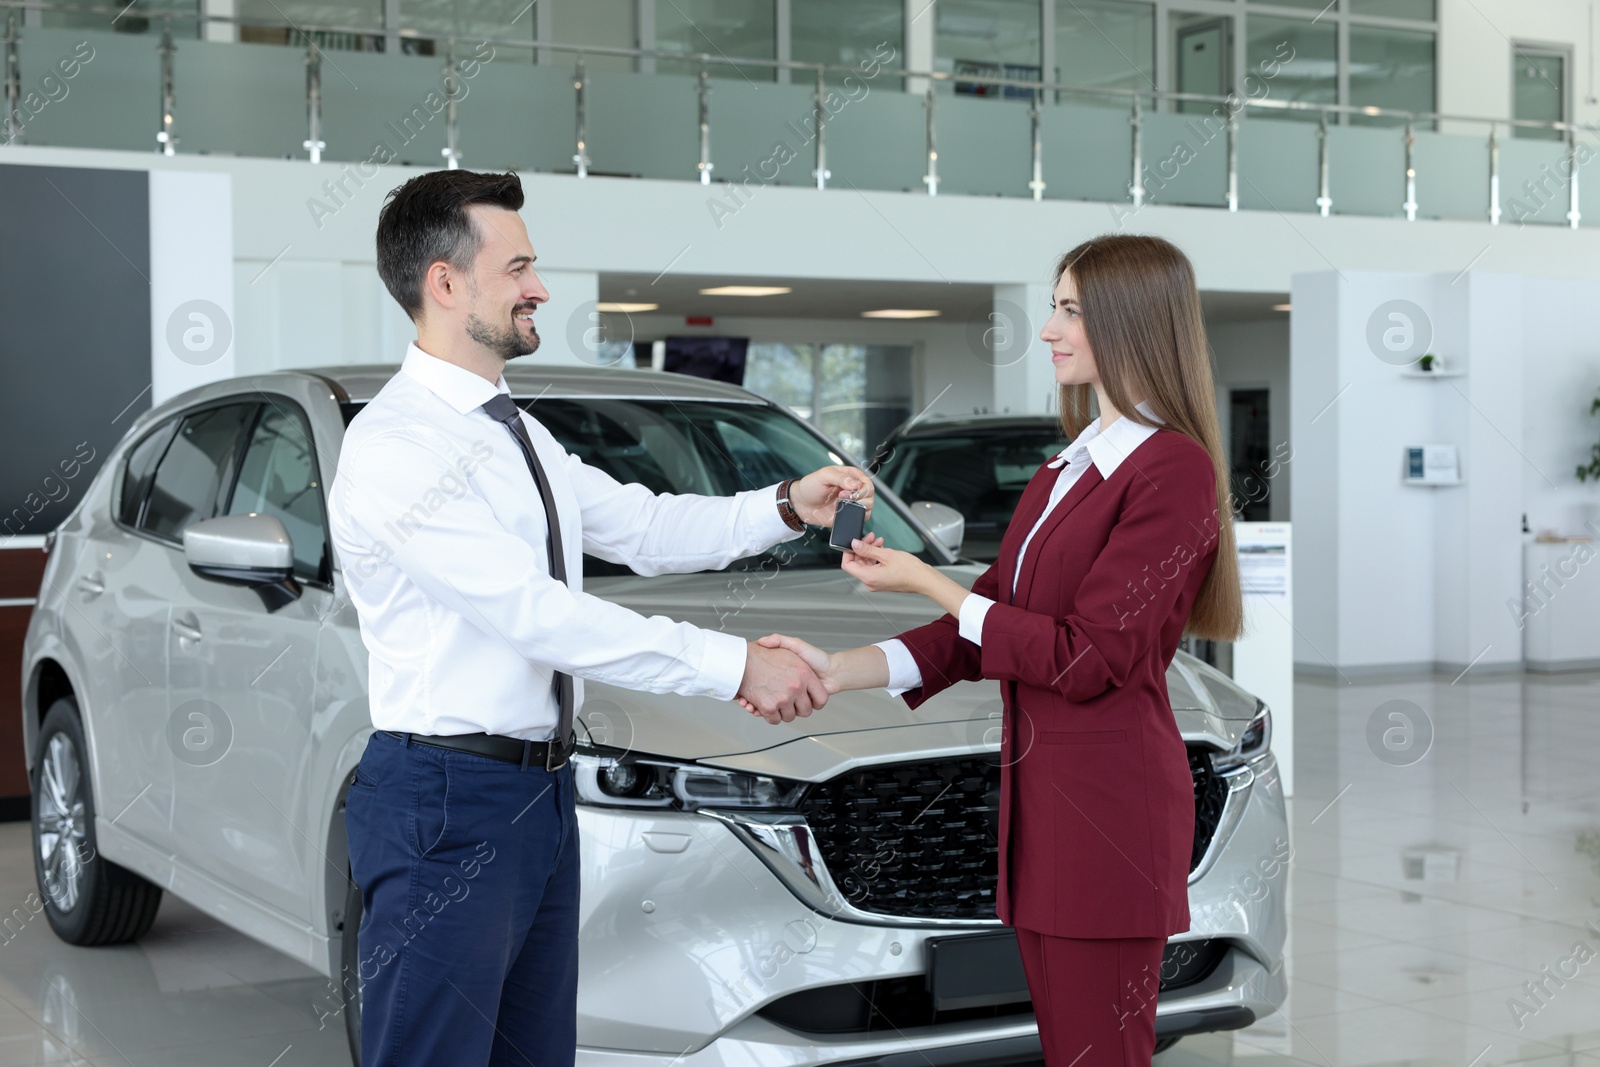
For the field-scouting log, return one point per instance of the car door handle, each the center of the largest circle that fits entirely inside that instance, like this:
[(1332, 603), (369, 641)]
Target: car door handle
[(91, 585), (187, 628)]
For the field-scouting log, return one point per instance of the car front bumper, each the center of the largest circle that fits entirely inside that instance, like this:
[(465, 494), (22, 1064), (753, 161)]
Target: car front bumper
[(686, 935)]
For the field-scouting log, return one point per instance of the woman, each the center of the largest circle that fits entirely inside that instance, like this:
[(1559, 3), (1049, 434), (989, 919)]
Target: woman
[(1117, 547)]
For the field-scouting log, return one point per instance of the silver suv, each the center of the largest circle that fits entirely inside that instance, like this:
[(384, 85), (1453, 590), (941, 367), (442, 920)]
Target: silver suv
[(195, 703)]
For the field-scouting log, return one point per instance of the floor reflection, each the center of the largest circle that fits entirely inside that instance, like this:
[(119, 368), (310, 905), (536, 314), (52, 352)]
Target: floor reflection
[(1444, 902)]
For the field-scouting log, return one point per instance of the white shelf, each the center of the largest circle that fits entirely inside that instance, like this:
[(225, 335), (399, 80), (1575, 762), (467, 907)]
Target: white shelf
[(1433, 485), (1433, 374)]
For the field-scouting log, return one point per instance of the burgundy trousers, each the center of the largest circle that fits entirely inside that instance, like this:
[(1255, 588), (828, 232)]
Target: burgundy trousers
[(1095, 998)]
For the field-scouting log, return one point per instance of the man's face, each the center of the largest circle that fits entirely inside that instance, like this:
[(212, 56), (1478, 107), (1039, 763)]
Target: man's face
[(503, 289)]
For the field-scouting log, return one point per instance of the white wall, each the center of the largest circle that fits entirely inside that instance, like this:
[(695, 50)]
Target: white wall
[(1394, 577), (1474, 54)]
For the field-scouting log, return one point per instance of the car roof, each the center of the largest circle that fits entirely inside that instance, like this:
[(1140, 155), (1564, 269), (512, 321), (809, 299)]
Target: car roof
[(954, 425), (362, 382)]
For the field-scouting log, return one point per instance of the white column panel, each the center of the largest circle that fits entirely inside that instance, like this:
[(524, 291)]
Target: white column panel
[(1024, 376), (191, 280)]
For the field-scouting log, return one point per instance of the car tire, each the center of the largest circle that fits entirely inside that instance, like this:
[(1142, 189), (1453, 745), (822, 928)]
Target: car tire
[(1165, 1043), (349, 969), (87, 899)]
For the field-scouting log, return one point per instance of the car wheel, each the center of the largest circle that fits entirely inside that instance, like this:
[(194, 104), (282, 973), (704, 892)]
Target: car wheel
[(349, 970), (88, 900), (1165, 1043)]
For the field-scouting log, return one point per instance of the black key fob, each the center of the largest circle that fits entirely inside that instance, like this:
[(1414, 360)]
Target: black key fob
[(849, 523)]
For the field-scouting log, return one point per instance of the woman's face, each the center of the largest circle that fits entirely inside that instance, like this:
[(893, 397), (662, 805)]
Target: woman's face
[(1064, 333)]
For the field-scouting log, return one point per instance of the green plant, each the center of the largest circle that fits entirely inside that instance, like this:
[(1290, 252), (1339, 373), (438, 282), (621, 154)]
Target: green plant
[(1592, 468), (1427, 361)]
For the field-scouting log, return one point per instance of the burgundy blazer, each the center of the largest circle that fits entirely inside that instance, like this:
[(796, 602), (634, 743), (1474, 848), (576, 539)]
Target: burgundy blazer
[(1096, 799)]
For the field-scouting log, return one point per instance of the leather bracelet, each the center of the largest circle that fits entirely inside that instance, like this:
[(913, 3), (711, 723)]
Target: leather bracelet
[(786, 511)]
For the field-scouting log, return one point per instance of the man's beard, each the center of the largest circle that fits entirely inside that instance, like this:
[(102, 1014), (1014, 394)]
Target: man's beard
[(507, 342)]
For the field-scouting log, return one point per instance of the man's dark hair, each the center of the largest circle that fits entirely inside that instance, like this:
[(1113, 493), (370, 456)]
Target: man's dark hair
[(425, 220)]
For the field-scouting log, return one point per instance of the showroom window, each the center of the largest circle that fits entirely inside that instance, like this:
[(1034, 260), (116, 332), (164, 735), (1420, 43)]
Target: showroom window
[(472, 19), (855, 394), (1105, 44), (730, 28), (846, 33), (1310, 76), (196, 470), (278, 477), (354, 14), (993, 38), (1390, 68)]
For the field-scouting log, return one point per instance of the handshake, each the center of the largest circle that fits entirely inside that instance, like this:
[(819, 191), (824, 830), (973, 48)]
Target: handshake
[(785, 678)]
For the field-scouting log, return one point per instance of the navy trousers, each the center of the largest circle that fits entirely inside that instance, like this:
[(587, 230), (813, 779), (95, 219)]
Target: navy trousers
[(468, 869)]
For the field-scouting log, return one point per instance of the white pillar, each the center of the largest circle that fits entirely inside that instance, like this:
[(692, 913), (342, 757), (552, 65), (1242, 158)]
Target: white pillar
[(221, 32), (191, 280), (1024, 377), (921, 16)]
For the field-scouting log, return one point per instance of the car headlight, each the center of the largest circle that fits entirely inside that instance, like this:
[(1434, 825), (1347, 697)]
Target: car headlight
[(1255, 742), (622, 780)]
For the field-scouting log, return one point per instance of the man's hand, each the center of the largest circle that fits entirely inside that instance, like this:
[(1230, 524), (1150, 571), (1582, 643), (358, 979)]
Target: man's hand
[(814, 495), (819, 661), (778, 686)]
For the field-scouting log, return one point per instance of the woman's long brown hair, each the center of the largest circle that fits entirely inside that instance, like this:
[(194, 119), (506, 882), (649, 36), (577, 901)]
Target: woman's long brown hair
[(1141, 312)]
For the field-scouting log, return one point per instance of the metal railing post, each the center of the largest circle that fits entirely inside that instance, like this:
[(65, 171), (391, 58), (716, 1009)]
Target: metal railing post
[(705, 164), (1037, 184), (13, 80), (580, 88), (1324, 201), (452, 125), (1136, 186), (1494, 175), (931, 179), (1410, 205), (1573, 214), (314, 144), (166, 137), (1233, 160), (819, 124)]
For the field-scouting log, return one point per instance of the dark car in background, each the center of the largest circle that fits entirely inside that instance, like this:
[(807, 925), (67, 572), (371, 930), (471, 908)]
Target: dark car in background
[(976, 464)]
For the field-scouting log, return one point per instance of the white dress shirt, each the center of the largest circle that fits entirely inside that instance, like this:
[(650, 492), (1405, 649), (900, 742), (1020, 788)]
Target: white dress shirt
[(440, 533), (1107, 451)]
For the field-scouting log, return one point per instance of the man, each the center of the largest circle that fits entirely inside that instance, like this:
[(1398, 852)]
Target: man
[(460, 525)]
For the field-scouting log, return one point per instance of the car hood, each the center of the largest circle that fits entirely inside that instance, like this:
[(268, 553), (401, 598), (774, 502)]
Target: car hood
[(831, 610)]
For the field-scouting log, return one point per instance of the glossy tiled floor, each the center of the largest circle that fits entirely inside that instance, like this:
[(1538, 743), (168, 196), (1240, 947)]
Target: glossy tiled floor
[(1425, 893)]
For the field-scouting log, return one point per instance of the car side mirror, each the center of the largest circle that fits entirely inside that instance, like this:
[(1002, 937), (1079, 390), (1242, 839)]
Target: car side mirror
[(944, 522), (252, 550)]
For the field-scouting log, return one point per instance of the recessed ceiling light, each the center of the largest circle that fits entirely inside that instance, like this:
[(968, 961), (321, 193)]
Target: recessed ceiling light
[(1282, 307), (900, 313), (624, 308), (747, 290)]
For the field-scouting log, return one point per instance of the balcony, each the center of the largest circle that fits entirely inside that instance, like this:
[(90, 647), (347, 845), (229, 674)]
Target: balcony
[(487, 104)]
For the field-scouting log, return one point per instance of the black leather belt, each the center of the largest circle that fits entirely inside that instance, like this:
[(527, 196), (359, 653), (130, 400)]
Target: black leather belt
[(552, 754)]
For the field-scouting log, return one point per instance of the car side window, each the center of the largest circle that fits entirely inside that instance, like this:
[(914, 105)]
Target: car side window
[(278, 477), (197, 469), (138, 469)]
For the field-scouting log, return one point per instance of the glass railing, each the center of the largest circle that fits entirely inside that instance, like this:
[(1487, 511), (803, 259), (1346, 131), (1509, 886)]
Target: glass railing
[(739, 124)]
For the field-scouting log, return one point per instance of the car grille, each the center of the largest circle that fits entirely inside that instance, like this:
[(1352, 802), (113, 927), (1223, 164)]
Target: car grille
[(917, 840)]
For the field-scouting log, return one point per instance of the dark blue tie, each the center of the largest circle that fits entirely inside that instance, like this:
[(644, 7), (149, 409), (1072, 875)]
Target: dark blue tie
[(503, 409)]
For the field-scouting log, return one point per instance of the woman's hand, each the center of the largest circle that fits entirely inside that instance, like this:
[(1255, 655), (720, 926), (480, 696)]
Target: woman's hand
[(885, 570), (819, 661)]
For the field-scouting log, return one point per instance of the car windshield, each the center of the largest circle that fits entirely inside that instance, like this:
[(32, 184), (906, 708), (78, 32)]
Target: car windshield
[(705, 447)]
